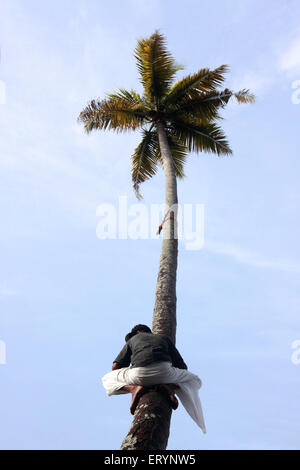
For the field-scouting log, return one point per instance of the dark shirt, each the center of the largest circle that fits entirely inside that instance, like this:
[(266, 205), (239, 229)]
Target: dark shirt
[(145, 348)]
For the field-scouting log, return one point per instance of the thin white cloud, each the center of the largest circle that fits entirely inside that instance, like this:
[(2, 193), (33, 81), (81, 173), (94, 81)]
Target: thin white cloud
[(251, 258), (264, 73), (290, 59), (254, 80)]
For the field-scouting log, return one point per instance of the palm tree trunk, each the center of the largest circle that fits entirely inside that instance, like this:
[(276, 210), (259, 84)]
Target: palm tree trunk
[(164, 315), (151, 424)]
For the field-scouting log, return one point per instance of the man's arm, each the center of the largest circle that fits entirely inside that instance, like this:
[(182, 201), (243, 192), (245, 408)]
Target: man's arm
[(177, 360), (123, 358), (115, 366)]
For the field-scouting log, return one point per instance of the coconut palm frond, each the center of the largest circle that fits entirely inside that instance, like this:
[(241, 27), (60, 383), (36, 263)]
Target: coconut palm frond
[(220, 98), (244, 96), (144, 160), (115, 113), (156, 66), (197, 138), (203, 81), (179, 154), (205, 106), (132, 97)]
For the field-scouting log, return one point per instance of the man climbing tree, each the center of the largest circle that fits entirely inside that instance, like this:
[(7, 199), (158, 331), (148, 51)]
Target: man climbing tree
[(155, 362), (175, 118)]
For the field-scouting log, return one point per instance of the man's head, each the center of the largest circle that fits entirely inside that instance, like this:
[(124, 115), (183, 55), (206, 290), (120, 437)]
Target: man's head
[(141, 329), (137, 329)]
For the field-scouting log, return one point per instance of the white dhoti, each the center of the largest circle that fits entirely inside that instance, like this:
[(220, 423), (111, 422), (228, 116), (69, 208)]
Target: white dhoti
[(160, 373)]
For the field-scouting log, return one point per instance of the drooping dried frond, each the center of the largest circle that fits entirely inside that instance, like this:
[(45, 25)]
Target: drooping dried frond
[(144, 160), (203, 81), (178, 152), (200, 138), (116, 113), (147, 156), (156, 66)]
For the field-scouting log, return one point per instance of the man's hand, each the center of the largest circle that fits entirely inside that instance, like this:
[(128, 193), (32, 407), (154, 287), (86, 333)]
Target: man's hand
[(182, 365), (115, 366)]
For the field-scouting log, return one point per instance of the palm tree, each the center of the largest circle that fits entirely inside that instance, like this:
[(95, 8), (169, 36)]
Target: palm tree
[(174, 118)]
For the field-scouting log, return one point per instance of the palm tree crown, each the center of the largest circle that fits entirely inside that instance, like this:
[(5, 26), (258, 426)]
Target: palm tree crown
[(188, 109)]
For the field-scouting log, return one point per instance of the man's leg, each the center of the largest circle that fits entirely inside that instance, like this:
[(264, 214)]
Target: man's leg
[(169, 389), (136, 392)]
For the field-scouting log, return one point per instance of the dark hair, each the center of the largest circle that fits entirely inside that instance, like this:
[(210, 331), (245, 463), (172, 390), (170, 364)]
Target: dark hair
[(135, 329)]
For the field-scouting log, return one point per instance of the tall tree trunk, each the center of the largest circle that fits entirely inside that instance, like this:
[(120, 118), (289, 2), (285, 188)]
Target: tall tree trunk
[(151, 424), (164, 315)]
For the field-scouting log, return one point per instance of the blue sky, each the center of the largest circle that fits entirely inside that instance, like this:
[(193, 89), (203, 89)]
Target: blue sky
[(67, 298)]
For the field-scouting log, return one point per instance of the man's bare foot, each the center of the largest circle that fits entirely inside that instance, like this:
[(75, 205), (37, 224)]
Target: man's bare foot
[(169, 389), (138, 391)]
